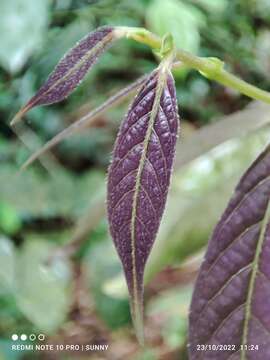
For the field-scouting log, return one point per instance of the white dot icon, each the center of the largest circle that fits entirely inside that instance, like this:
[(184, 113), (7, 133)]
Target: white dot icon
[(23, 337), (14, 337)]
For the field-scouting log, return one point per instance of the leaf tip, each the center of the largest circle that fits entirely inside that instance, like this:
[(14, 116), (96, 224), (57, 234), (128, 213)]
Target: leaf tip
[(20, 114)]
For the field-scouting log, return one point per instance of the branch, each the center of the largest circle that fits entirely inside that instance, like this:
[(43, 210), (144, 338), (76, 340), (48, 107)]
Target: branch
[(212, 68)]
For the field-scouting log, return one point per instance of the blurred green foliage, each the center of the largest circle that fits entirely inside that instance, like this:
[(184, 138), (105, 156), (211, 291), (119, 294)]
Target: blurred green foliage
[(39, 209)]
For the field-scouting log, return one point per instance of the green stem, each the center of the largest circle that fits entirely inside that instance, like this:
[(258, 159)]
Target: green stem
[(242, 86), (209, 67)]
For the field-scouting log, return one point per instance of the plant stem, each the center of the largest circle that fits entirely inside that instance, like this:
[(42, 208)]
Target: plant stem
[(211, 68), (242, 86)]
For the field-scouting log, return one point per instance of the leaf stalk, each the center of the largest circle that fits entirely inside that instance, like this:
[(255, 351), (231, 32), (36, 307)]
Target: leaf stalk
[(212, 68)]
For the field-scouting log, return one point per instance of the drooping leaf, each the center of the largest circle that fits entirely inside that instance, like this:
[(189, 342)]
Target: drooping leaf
[(231, 300), (139, 178), (85, 120), (71, 69)]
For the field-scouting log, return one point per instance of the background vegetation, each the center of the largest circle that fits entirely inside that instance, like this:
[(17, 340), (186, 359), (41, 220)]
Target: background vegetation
[(59, 273)]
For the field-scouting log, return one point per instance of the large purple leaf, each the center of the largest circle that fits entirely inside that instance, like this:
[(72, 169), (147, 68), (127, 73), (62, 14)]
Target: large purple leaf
[(139, 178), (231, 302), (71, 69)]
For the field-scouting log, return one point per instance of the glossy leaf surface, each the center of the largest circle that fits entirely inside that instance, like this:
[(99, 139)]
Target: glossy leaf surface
[(139, 178), (231, 300), (71, 69)]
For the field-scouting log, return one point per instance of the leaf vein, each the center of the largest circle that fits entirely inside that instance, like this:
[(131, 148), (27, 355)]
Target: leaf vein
[(120, 200), (238, 237), (162, 153), (223, 323), (238, 205), (149, 199), (261, 324), (228, 281), (131, 127), (126, 155), (155, 173)]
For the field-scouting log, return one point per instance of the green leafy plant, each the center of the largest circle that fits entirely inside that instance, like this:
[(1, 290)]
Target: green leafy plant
[(139, 179)]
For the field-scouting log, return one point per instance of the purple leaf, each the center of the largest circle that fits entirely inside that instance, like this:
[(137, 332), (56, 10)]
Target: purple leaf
[(86, 120), (231, 301), (71, 69), (139, 178)]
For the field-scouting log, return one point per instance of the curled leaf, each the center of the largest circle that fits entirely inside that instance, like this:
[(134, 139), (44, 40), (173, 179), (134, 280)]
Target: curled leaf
[(139, 178), (71, 69), (231, 301)]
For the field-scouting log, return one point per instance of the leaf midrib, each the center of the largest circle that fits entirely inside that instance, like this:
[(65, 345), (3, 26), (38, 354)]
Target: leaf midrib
[(154, 112), (100, 44), (251, 286)]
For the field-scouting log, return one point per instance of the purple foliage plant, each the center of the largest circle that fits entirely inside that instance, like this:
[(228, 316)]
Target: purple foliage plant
[(230, 310)]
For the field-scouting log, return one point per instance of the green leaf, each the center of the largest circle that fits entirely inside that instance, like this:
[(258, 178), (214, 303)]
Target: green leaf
[(9, 219), (42, 291), (183, 21), (22, 26)]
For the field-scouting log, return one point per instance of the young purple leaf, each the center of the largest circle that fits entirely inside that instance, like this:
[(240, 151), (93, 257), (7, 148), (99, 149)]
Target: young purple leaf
[(71, 69), (139, 178), (231, 301), (86, 120)]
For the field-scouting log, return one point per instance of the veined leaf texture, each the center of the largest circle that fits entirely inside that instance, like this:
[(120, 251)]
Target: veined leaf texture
[(139, 178), (71, 69), (230, 310)]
